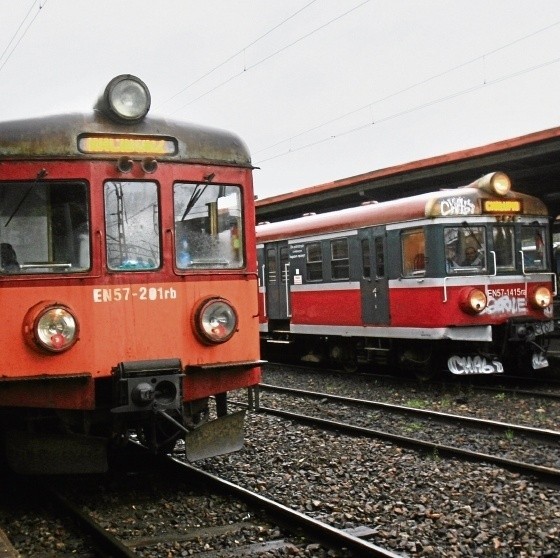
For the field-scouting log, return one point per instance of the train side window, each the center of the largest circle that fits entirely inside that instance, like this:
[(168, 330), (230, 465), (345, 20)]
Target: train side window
[(132, 225), (44, 228), (533, 247), (340, 263), (413, 245), (284, 264), (314, 262), (366, 263), (271, 270), (208, 226)]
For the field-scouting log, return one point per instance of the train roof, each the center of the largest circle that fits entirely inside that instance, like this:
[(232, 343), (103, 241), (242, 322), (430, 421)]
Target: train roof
[(461, 202), (57, 137)]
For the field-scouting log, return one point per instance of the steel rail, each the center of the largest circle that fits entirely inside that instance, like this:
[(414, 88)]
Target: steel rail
[(549, 474), (293, 520), (103, 541), (471, 421)]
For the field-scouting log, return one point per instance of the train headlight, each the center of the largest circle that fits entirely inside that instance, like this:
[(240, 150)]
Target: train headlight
[(541, 298), (215, 321), (127, 98), (51, 327), (497, 183), (472, 301)]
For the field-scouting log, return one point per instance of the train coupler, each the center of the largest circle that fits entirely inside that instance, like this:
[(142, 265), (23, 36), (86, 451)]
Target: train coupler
[(147, 385)]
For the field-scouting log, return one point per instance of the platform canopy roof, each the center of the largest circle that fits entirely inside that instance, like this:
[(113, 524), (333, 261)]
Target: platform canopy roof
[(532, 161)]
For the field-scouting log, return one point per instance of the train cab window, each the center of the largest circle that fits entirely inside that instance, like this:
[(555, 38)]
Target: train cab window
[(535, 256), (132, 225), (465, 248), (413, 246), (340, 263), (44, 228), (503, 240), (314, 262), (208, 226)]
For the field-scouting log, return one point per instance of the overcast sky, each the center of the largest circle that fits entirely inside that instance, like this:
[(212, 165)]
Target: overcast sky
[(319, 90)]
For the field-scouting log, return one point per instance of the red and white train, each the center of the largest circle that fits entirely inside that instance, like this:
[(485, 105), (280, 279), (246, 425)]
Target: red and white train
[(457, 280), (128, 285)]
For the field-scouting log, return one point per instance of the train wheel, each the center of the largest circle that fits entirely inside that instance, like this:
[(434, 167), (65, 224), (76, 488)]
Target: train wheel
[(343, 354), (419, 359)]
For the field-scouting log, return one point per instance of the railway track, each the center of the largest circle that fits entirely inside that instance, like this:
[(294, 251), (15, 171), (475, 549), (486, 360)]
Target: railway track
[(540, 445), (109, 536), (545, 387)]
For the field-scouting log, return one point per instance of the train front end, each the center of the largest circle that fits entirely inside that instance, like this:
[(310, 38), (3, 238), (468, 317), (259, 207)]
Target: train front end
[(128, 284)]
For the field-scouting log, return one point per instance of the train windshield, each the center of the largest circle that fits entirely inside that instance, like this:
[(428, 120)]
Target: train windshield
[(132, 225), (468, 251), (44, 228), (208, 226), (533, 248), (465, 248)]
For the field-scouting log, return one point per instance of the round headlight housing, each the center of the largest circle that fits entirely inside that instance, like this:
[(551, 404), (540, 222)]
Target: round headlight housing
[(127, 98), (51, 327), (473, 301), (215, 321), (497, 183), (541, 298)]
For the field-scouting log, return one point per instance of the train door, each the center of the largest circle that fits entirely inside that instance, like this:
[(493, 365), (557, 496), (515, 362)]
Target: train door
[(276, 280), (374, 285)]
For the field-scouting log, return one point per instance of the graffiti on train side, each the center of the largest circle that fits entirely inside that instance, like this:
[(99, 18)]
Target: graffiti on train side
[(470, 365)]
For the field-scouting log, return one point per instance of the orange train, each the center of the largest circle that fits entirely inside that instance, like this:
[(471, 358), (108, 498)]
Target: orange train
[(128, 285)]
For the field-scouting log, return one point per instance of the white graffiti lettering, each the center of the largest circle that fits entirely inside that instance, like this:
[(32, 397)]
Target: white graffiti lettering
[(539, 360), (466, 365), (506, 305), (457, 206)]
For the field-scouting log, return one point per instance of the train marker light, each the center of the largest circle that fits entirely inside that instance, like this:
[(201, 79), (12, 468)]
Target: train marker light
[(124, 164), (149, 165), (127, 98)]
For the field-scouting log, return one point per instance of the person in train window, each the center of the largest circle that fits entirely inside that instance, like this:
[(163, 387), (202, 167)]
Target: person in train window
[(450, 258), (472, 257), (8, 258)]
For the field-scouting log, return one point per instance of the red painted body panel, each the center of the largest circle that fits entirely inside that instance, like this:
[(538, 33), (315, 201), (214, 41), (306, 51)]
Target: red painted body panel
[(327, 307), (428, 309), (128, 316)]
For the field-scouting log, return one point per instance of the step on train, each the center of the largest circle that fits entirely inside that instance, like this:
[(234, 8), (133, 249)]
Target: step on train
[(128, 285), (456, 281)]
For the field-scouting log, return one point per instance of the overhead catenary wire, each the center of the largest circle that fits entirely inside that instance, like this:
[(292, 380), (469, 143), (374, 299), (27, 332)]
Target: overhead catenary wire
[(408, 88), (266, 58), (409, 110), (233, 56), (7, 55)]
